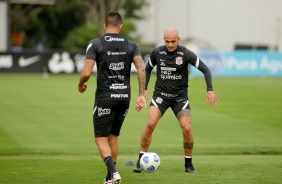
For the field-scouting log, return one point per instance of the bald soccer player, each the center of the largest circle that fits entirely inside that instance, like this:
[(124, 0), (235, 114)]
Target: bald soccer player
[(171, 90)]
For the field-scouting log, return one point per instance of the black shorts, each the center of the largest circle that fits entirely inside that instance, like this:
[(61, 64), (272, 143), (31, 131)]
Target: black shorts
[(176, 105), (108, 117)]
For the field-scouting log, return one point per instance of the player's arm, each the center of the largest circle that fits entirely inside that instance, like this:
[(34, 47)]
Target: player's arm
[(139, 64), (197, 63), (85, 74), (88, 66), (210, 97), (149, 67)]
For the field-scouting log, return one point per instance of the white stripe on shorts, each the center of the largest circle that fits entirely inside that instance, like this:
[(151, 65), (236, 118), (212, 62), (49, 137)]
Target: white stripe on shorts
[(155, 104), (94, 109), (185, 105)]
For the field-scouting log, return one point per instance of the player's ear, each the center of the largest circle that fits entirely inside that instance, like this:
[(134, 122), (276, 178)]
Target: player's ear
[(105, 26)]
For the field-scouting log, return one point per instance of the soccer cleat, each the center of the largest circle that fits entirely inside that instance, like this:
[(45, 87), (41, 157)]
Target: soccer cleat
[(107, 182), (116, 178), (137, 168), (190, 169)]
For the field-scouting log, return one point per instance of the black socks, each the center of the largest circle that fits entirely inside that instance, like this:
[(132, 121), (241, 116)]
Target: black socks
[(188, 161), (111, 167)]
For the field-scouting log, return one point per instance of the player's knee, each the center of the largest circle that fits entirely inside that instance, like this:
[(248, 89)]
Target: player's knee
[(150, 126), (187, 130)]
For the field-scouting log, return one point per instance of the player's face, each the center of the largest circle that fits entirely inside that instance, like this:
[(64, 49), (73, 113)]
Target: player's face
[(171, 42)]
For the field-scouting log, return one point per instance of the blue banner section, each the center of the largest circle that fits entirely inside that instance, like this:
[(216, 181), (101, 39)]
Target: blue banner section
[(241, 63)]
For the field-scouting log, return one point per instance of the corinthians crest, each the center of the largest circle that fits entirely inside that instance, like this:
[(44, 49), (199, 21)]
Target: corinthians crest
[(179, 60)]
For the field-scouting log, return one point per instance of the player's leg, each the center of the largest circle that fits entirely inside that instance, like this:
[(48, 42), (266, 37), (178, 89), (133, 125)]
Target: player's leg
[(184, 118), (105, 153), (113, 143), (103, 117), (154, 115), (182, 111), (121, 109)]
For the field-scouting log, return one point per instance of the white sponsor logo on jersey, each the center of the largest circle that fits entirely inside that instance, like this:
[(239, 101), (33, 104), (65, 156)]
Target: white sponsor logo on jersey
[(119, 77), (119, 95), (118, 86), (116, 53), (167, 73), (162, 64), (168, 68), (117, 66), (171, 77), (181, 53), (163, 53), (113, 39)]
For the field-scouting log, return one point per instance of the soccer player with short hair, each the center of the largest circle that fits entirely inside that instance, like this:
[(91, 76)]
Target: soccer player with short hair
[(113, 54)]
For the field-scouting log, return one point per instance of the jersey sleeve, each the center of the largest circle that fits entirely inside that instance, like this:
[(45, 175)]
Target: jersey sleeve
[(92, 48), (135, 48), (200, 65), (149, 67)]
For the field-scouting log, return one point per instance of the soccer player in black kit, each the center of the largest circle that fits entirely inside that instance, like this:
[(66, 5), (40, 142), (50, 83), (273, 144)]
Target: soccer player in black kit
[(171, 88), (113, 54)]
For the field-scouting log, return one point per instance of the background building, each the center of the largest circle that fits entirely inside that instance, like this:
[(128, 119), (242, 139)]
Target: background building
[(205, 24), (219, 24)]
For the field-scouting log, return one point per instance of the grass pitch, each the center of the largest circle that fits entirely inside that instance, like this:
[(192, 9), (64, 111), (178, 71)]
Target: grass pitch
[(46, 134)]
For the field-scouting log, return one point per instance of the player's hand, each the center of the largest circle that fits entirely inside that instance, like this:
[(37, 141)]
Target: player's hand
[(140, 103), (211, 98), (82, 88)]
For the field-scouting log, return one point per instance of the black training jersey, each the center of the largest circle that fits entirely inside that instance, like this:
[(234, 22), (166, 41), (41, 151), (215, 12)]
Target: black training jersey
[(113, 54), (172, 71)]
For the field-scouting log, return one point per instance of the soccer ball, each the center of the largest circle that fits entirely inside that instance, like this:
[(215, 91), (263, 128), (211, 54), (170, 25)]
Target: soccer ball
[(150, 162)]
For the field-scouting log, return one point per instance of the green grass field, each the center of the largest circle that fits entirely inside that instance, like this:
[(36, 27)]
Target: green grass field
[(46, 133)]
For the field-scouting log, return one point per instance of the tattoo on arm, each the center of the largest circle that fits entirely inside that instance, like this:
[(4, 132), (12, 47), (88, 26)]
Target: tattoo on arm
[(138, 62), (188, 145)]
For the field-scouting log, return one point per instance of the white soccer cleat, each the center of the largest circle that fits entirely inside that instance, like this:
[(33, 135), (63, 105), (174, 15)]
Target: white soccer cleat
[(116, 178)]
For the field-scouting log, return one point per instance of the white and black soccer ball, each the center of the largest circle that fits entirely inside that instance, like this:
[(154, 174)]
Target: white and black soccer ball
[(150, 162)]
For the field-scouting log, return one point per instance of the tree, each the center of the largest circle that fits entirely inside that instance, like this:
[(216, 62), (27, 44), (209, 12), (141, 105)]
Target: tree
[(58, 26)]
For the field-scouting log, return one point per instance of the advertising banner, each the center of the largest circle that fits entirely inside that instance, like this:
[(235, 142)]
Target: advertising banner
[(33, 62), (230, 64), (241, 63), (53, 62)]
